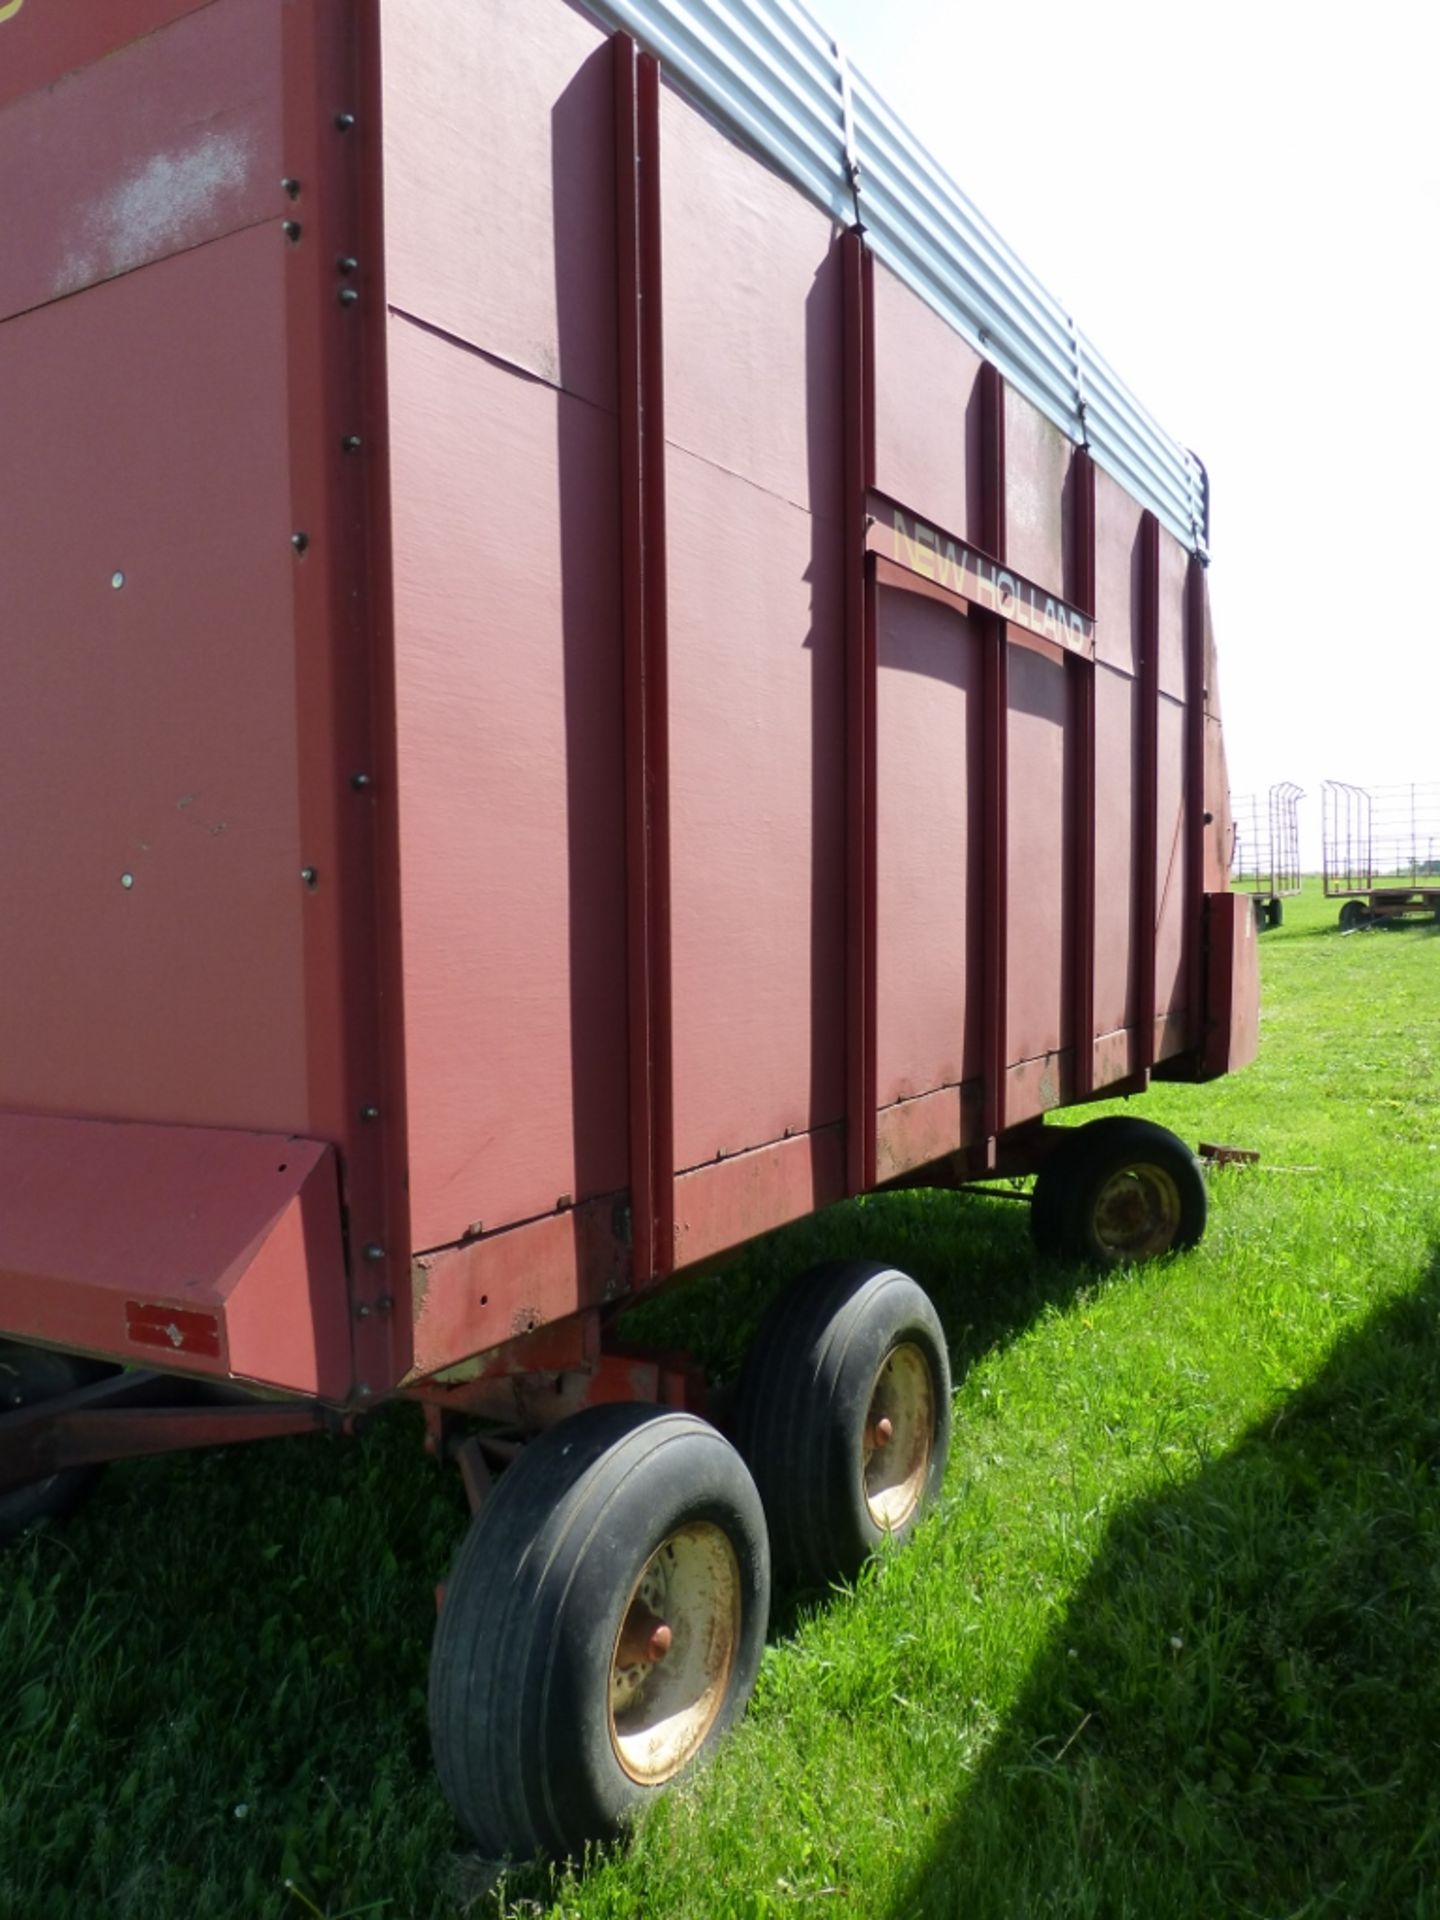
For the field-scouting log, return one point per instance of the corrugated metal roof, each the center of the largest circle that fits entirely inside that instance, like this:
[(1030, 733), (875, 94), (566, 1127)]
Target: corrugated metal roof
[(769, 71)]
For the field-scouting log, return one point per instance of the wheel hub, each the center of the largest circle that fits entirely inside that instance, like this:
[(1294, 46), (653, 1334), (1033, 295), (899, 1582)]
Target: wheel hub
[(1137, 1213), (674, 1651), (899, 1437)]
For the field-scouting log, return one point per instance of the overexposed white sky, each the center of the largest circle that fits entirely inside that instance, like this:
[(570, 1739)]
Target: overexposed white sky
[(1241, 206)]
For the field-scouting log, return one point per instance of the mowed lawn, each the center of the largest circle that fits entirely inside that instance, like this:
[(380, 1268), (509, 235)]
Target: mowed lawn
[(1169, 1646)]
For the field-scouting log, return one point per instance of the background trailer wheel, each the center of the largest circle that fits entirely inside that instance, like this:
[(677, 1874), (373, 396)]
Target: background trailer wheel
[(28, 1376), (602, 1627), (1354, 913), (1118, 1190), (843, 1415)]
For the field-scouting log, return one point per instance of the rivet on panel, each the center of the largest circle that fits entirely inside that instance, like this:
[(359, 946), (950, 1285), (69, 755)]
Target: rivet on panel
[(374, 1251), (347, 263), (348, 296), (291, 230), (360, 782), (351, 443), (370, 1113), (117, 579), (292, 187), (300, 541), (127, 880), (311, 877), (344, 122)]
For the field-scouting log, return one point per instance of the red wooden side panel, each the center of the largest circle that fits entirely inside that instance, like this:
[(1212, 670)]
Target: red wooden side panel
[(1174, 563), (756, 825), (510, 731), (1173, 882), (753, 395), (499, 182), (500, 236), (1116, 777), (42, 42), (927, 411), (1117, 575), (1232, 974), (928, 865), (752, 318), (1170, 981), (152, 947), (132, 178), (1037, 467), (1039, 842)]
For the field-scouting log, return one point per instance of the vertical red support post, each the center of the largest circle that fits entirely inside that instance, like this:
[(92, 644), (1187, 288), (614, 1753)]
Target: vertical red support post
[(861, 752), (995, 723), (1147, 800), (1082, 802), (1195, 800), (645, 618)]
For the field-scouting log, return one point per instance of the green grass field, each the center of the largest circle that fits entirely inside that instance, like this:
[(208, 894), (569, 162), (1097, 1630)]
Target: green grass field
[(1169, 1646)]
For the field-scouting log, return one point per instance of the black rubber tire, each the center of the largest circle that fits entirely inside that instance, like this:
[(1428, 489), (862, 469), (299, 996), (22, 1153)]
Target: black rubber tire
[(1069, 1185), (29, 1375), (803, 1402), (1354, 914), (1275, 913), (520, 1669)]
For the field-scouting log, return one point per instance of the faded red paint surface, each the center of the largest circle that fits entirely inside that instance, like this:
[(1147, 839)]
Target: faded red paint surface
[(585, 698), (48, 39), (132, 180), (186, 1247)]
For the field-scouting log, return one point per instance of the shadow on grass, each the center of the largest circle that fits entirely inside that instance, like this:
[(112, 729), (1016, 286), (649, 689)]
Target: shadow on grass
[(1240, 1713), (972, 1254)]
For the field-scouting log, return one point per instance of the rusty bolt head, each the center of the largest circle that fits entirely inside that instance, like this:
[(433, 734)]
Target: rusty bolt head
[(884, 1432), (660, 1641)]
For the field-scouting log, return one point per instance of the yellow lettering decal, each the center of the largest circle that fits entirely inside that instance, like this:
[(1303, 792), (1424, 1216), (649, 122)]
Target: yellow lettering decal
[(9, 10), (904, 545), (924, 550)]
